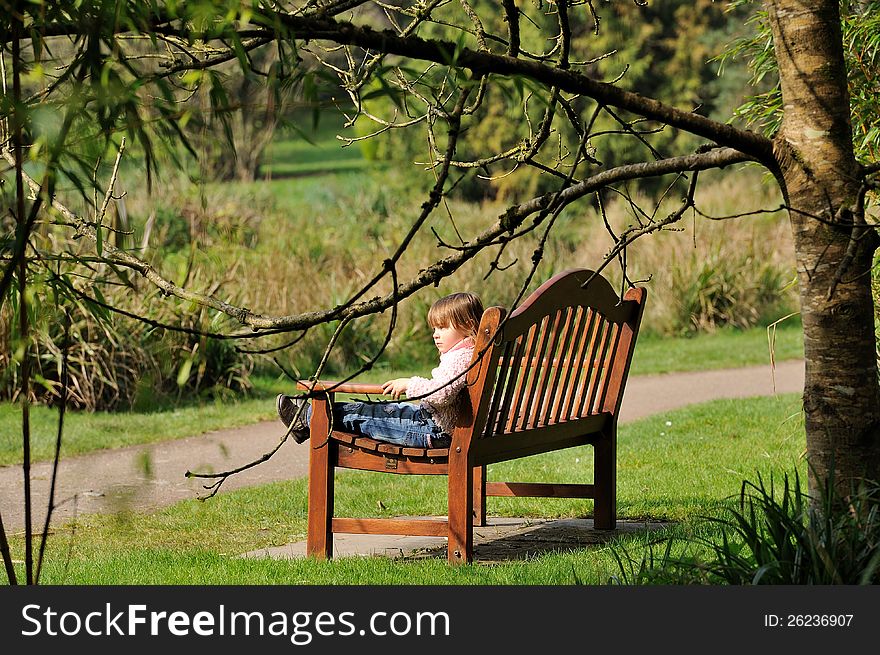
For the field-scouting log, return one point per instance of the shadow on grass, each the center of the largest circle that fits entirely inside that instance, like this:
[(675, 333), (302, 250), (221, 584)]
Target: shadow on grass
[(520, 540)]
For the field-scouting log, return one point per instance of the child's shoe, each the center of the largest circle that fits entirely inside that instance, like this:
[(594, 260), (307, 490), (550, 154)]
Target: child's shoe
[(289, 412)]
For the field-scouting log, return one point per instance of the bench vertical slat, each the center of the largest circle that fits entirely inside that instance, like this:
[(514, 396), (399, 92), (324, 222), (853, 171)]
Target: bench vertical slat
[(541, 391), (582, 373), (596, 338), (563, 361), (540, 353), (607, 368), (502, 385), (526, 369), (497, 385), (512, 372), (575, 363), (601, 354)]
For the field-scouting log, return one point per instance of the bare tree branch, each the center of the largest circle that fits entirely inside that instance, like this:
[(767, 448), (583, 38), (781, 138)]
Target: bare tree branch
[(511, 17), (479, 62), (482, 63), (55, 460)]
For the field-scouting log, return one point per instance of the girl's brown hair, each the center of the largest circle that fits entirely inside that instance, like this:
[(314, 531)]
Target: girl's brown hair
[(462, 311)]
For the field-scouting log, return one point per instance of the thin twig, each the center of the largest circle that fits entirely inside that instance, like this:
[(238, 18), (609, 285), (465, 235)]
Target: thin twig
[(55, 460), (108, 196), (7, 555)]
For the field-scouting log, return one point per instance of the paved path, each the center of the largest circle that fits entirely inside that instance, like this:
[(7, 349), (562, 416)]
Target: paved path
[(110, 480)]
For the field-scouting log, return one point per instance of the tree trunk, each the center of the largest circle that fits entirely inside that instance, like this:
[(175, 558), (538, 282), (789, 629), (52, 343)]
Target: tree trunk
[(253, 131), (821, 181)]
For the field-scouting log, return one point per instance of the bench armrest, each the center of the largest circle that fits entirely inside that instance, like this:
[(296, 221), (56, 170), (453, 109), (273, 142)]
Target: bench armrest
[(339, 387)]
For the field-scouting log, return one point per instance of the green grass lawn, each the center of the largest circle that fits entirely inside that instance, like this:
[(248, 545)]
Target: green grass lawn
[(727, 348), (86, 432), (675, 467), (292, 158), (313, 151)]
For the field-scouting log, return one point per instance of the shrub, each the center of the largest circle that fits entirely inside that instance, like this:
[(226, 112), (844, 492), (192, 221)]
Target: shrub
[(115, 362), (776, 537), (735, 289)]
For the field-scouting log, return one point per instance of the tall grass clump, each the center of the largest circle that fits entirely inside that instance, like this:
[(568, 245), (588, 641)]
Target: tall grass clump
[(772, 536), (115, 362), (127, 346)]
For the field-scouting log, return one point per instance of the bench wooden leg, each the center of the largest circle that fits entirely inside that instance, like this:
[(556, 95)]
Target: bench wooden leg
[(319, 542), (479, 515), (461, 503), (605, 481)]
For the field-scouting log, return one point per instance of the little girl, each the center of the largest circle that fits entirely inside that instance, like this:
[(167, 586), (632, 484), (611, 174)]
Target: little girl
[(455, 320)]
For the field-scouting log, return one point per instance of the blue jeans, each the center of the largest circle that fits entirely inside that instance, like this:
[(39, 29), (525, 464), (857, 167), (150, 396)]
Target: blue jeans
[(403, 424)]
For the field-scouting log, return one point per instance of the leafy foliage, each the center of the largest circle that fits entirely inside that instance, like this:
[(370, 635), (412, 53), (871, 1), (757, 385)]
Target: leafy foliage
[(114, 362), (661, 49), (119, 354), (774, 536), (664, 50)]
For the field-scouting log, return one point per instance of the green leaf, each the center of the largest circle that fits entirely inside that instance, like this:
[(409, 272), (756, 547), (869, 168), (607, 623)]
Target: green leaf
[(183, 373)]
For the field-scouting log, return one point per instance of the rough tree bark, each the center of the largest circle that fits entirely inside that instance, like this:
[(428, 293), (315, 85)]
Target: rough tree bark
[(822, 180)]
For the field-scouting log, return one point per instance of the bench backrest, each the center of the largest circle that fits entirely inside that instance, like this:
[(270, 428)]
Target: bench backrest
[(561, 356)]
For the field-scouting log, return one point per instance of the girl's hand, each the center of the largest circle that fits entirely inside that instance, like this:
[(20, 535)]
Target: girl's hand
[(395, 388)]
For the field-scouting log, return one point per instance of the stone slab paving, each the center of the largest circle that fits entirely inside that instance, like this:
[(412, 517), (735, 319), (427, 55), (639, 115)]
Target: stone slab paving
[(501, 540)]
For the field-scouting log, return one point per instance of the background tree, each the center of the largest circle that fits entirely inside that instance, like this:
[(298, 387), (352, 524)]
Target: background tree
[(437, 63), (237, 115)]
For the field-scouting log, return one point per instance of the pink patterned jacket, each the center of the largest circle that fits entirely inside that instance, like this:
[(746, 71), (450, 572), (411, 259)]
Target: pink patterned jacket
[(444, 402)]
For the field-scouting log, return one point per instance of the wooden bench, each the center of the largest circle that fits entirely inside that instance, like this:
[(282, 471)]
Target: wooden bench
[(550, 375)]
